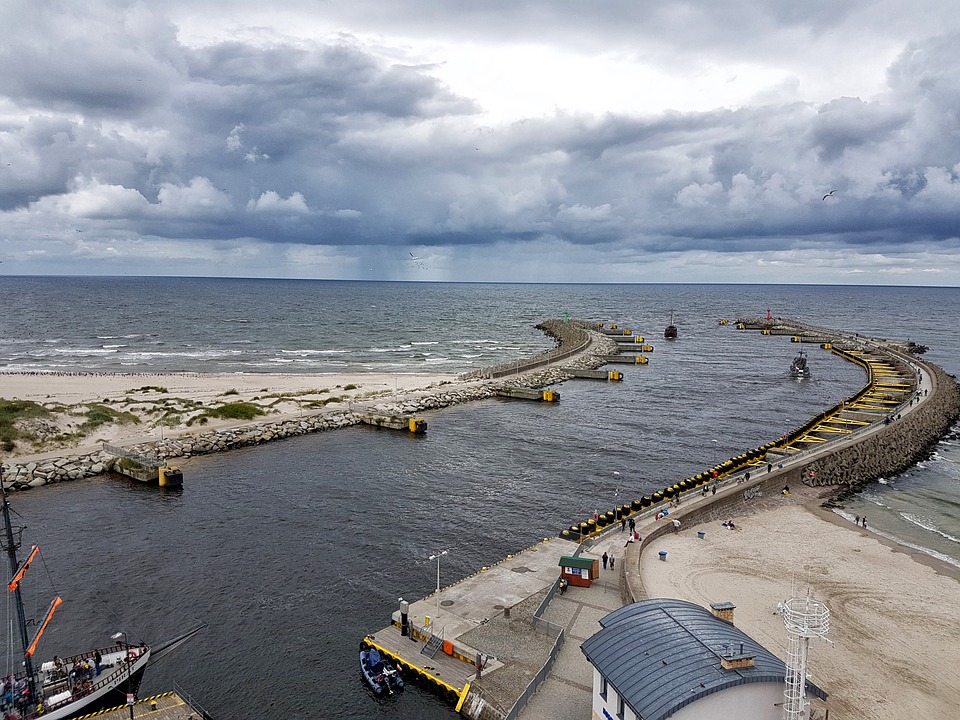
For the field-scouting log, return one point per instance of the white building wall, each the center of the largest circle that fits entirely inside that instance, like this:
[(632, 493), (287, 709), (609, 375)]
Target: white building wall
[(753, 701)]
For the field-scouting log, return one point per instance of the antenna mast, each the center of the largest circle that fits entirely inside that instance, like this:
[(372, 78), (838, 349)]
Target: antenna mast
[(804, 618)]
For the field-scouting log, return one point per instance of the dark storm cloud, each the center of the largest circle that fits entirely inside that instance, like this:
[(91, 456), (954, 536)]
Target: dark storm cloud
[(316, 143)]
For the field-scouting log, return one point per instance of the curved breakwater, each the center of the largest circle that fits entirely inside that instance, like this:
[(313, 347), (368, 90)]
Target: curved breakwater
[(580, 346)]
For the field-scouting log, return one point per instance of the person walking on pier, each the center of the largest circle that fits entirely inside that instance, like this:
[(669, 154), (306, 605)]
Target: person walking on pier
[(623, 524), (604, 558)]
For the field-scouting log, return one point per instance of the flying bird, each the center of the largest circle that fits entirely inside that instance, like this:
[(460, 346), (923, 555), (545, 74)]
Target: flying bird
[(418, 261), (829, 194)]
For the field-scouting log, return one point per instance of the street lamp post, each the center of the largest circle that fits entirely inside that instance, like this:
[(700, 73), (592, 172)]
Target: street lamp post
[(129, 661), (616, 495), (437, 558)]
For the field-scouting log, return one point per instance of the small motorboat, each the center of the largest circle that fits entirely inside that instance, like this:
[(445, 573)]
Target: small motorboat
[(798, 367), (382, 677)]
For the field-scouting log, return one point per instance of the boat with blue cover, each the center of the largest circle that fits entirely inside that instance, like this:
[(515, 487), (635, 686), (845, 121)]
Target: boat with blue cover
[(379, 673)]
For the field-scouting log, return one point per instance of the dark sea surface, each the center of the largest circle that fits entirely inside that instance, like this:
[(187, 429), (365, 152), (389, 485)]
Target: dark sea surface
[(292, 551)]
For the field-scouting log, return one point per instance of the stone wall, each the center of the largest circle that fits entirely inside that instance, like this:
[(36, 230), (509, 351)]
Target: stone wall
[(897, 447)]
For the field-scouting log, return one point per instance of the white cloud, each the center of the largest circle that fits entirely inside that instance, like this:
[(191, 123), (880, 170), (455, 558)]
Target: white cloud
[(271, 202)]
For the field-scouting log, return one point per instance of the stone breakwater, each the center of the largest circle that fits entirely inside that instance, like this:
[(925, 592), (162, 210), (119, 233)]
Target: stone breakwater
[(573, 338), (897, 447)]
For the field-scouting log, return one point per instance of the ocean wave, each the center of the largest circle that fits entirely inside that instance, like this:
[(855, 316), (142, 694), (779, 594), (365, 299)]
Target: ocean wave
[(206, 354), (904, 543), (83, 352), (314, 352), (929, 526), (402, 348)]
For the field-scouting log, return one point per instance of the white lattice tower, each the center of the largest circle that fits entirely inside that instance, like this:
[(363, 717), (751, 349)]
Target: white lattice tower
[(804, 618)]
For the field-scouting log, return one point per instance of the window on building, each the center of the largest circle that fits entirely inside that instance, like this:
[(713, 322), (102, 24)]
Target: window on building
[(603, 687), (620, 709)]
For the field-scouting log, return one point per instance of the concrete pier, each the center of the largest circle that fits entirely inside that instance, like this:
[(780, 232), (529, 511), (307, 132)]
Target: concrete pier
[(395, 422), (523, 393), (612, 375), (626, 359)]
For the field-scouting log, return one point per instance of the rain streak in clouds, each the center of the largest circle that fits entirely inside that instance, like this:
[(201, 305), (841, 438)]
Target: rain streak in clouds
[(536, 141)]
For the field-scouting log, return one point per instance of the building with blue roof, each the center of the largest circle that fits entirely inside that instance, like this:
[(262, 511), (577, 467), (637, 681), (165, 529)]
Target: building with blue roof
[(666, 658)]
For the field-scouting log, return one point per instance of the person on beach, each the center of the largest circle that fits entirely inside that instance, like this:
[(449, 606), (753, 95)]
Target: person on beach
[(864, 521), (856, 520), (676, 525), (604, 558)]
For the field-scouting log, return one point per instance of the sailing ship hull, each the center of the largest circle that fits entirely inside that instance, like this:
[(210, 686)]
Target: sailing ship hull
[(113, 692)]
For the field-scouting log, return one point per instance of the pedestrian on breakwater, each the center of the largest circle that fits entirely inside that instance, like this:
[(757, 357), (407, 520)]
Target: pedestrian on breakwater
[(713, 490), (604, 558), (623, 524), (633, 524), (612, 561)]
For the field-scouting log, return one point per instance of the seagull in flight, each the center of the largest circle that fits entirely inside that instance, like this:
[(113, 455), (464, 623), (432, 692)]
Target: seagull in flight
[(418, 261), (829, 194)]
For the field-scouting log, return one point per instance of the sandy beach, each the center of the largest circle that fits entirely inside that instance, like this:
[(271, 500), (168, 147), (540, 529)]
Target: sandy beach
[(894, 633), (172, 400)]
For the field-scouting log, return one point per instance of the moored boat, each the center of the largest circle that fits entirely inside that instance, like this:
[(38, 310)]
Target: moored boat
[(64, 687), (379, 673)]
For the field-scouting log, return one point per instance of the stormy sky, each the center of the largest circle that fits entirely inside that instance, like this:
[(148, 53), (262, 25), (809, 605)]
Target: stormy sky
[(535, 141)]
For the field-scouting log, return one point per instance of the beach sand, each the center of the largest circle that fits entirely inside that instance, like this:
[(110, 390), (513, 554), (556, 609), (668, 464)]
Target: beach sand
[(894, 649), (177, 397)]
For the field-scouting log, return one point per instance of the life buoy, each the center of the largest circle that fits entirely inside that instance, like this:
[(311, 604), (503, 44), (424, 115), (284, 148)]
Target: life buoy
[(131, 655)]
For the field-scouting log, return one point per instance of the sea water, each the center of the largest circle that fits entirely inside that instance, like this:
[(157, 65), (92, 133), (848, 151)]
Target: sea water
[(293, 550)]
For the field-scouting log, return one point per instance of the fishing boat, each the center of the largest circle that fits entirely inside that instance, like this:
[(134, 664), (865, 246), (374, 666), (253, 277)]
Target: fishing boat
[(798, 368), (65, 687), (380, 675), (670, 333)]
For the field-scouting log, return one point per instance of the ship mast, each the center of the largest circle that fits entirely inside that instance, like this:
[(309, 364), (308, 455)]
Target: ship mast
[(11, 546)]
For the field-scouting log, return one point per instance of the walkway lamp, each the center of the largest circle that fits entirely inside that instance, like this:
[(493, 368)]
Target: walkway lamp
[(437, 558)]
